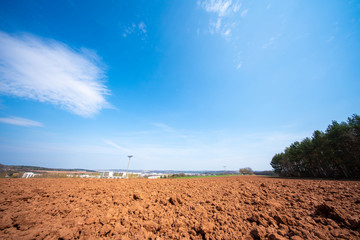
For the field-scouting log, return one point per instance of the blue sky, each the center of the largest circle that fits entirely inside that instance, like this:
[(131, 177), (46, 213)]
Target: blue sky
[(183, 85)]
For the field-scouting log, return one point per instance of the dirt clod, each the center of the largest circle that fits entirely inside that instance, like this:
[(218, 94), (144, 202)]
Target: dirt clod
[(275, 236), (258, 233)]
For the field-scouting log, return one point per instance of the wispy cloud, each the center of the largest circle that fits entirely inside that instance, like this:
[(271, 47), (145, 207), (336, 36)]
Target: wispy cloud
[(170, 130), (111, 143), (21, 122), (160, 150), (163, 126), (219, 7), (214, 27), (236, 7), (224, 16), (142, 27), (227, 33), (139, 29), (48, 71), (222, 9), (271, 41), (244, 12), (330, 39), (201, 150), (129, 30)]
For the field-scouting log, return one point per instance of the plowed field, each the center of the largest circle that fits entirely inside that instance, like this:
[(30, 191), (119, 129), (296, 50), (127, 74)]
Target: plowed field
[(207, 208)]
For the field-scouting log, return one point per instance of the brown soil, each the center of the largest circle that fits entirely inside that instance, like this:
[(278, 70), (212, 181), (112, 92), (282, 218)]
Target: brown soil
[(207, 208)]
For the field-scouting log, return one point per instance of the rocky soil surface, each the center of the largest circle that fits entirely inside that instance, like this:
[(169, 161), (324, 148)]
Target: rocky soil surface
[(203, 208)]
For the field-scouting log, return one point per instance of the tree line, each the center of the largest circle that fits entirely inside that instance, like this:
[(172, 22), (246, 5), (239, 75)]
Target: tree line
[(334, 153)]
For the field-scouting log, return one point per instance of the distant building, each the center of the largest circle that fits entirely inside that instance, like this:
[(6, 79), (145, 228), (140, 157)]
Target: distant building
[(87, 176), (154, 177), (29, 174), (109, 174)]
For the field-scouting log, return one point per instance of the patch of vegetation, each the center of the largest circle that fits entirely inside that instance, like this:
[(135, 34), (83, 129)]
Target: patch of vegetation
[(14, 171), (246, 171), (21, 168), (133, 175)]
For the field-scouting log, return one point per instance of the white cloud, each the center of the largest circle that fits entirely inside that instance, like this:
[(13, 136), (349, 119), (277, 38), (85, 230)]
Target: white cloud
[(170, 130), (269, 42), (224, 18), (330, 39), (219, 7), (244, 12), (49, 71), (227, 33), (139, 29), (236, 7), (225, 15), (129, 30), (21, 122), (215, 26), (111, 143), (142, 27), (163, 126)]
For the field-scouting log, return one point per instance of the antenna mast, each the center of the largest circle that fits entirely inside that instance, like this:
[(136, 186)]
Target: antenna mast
[(130, 156)]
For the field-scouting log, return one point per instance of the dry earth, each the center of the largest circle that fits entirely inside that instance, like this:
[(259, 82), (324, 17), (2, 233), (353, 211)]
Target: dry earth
[(207, 208)]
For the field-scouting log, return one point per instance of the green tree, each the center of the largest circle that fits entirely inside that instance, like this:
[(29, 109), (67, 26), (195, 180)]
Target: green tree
[(334, 153), (246, 171)]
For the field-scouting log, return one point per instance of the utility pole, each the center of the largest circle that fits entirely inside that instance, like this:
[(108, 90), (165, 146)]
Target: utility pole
[(130, 156)]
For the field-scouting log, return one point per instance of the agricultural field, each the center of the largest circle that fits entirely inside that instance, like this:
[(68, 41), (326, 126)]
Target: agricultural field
[(237, 207)]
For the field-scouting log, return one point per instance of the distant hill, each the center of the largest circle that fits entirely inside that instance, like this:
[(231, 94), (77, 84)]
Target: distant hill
[(6, 168)]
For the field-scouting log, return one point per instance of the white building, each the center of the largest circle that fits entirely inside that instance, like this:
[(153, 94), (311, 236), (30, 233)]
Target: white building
[(29, 174), (154, 177), (109, 174)]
